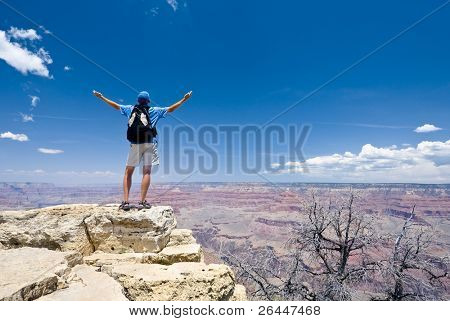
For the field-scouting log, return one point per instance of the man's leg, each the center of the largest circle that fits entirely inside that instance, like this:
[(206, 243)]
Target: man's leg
[(127, 180), (146, 176)]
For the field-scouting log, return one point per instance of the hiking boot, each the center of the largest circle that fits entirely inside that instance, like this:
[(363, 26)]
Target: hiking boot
[(125, 206), (144, 205)]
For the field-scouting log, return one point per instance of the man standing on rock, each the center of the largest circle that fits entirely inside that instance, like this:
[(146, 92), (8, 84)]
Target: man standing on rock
[(141, 134)]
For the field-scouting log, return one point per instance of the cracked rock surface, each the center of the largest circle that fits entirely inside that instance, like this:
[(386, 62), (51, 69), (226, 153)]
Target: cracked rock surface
[(177, 282), (87, 228), (29, 273), (85, 283), (84, 252)]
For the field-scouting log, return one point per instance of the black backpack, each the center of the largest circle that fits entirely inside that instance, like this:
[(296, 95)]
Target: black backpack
[(140, 129)]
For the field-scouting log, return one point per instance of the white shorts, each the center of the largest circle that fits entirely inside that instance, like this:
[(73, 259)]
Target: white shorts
[(145, 154)]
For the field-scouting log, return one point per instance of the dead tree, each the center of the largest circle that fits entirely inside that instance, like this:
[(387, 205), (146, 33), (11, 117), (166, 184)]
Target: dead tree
[(328, 252), (332, 245), (335, 252), (270, 277), (412, 272)]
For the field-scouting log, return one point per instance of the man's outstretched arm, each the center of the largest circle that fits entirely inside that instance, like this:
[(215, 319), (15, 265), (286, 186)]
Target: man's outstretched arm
[(179, 103), (106, 100)]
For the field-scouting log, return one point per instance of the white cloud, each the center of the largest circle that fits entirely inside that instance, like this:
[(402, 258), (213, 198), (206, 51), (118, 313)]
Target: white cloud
[(25, 61), (22, 171), (44, 55), (50, 151), (59, 177), (173, 4), (87, 174), (26, 118), (428, 162), (18, 137), (29, 34), (61, 173), (427, 128), (67, 68), (34, 100)]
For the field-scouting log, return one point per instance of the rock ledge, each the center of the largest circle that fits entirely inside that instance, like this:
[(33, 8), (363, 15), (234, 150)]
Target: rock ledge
[(89, 252)]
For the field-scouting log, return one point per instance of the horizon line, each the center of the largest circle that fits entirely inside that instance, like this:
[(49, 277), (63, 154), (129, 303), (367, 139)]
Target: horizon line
[(231, 182)]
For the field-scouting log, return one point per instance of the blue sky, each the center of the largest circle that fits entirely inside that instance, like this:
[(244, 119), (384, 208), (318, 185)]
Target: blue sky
[(246, 61)]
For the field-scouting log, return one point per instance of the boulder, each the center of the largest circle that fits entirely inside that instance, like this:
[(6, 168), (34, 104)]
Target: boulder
[(88, 284), (239, 293), (146, 230), (29, 273), (87, 228), (181, 237), (179, 281)]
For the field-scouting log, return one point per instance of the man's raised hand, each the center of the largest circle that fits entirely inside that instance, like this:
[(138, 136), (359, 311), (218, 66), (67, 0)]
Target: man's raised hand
[(179, 103), (106, 100), (188, 95), (97, 94)]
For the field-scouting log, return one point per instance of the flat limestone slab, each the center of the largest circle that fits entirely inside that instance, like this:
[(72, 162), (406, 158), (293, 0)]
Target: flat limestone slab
[(29, 273), (99, 259), (169, 255), (177, 253), (55, 228), (87, 284), (176, 282)]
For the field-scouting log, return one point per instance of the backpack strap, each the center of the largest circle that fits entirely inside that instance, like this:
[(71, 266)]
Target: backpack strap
[(145, 111)]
